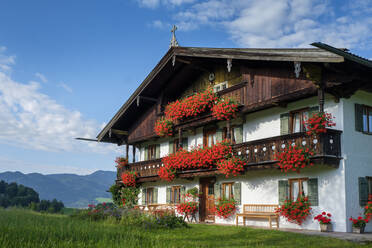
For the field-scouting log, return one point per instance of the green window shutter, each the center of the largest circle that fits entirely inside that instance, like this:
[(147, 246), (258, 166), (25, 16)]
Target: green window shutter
[(238, 134), (155, 198), (283, 189), (182, 193), (143, 197), (185, 143), (219, 133), (237, 192), (168, 196), (217, 191), (359, 117), (157, 151), (146, 153), (313, 110), (363, 191), (312, 186), (284, 124), (171, 144)]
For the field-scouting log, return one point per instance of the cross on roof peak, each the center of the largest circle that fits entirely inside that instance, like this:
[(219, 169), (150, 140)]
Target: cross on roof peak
[(174, 42)]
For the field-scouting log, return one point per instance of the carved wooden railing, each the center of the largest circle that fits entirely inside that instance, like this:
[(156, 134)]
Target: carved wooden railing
[(261, 153)]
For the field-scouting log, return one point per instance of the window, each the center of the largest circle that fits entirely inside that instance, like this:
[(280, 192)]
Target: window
[(227, 190), (367, 119), (151, 150), (369, 179), (175, 194), (220, 86), (297, 119), (298, 188), (150, 195), (210, 138)]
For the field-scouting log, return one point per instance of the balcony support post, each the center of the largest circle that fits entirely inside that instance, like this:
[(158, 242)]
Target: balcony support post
[(134, 153), (179, 138), (228, 131), (127, 150), (321, 96)]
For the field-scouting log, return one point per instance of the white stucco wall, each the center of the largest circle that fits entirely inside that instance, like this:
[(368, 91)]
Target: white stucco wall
[(357, 152), (266, 123), (338, 194)]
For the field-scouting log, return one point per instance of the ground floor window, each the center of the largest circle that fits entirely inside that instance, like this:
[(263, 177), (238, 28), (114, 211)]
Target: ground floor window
[(298, 188), (365, 189), (176, 194), (227, 190), (150, 195), (292, 189)]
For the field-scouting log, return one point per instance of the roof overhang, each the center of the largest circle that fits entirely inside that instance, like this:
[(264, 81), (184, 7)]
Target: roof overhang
[(322, 54)]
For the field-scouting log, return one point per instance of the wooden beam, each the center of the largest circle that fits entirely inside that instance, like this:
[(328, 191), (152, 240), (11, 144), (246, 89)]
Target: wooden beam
[(134, 153), (85, 139), (120, 132)]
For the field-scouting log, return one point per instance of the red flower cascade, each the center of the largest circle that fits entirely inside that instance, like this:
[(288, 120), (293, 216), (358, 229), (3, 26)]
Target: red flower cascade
[(295, 211), (225, 208), (225, 109), (129, 178), (318, 123), (294, 158), (164, 127)]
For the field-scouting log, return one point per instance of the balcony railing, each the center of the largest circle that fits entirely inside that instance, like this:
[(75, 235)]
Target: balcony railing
[(259, 154)]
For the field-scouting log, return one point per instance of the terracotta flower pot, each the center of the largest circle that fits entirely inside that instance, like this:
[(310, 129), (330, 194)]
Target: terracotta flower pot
[(358, 229), (326, 227)]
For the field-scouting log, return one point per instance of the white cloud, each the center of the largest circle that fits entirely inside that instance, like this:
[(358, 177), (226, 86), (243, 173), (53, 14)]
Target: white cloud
[(6, 61), (33, 120), (42, 77), (65, 87), (156, 3), (282, 23)]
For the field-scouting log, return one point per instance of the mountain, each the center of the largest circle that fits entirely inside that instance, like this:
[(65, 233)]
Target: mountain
[(73, 190)]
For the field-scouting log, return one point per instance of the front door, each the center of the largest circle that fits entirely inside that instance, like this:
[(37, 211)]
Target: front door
[(206, 199)]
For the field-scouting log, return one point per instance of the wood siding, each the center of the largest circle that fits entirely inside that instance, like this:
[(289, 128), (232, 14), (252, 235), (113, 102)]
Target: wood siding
[(253, 88)]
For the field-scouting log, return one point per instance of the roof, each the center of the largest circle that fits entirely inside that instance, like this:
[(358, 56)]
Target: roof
[(344, 53), (322, 54)]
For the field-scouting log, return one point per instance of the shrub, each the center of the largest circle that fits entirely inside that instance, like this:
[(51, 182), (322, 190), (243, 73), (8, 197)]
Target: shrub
[(98, 212), (129, 196)]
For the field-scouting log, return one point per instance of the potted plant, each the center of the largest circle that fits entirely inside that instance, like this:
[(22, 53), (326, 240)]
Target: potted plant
[(359, 224), (324, 220)]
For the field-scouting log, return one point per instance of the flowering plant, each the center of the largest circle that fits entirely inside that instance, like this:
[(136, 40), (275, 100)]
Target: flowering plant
[(318, 123), (232, 166), (163, 127), (187, 208), (324, 218), (121, 162), (225, 208), (167, 173), (294, 158), (190, 106), (225, 109), (207, 157), (295, 211), (129, 178), (368, 208), (359, 222)]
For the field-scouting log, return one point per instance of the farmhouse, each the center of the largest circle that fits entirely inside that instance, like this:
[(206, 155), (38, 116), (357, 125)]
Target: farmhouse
[(259, 103)]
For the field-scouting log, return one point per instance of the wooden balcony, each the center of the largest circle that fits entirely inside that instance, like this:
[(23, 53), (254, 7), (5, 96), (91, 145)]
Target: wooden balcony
[(259, 154)]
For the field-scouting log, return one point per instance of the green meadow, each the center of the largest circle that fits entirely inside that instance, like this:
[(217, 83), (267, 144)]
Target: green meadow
[(22, 228)]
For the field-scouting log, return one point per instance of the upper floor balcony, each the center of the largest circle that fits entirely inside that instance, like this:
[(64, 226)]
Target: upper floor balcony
[(258, 154)]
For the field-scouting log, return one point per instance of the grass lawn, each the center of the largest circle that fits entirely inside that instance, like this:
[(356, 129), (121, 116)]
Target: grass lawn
[(20, 229)]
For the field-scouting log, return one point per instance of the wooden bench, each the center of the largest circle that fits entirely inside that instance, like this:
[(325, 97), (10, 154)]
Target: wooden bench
[(259, 211)]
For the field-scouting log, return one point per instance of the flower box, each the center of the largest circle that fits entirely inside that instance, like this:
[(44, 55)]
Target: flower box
[(326, 227), (358, 229)]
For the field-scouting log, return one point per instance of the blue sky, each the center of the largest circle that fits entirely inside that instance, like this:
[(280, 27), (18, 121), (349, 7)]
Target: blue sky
[(67, 66)]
